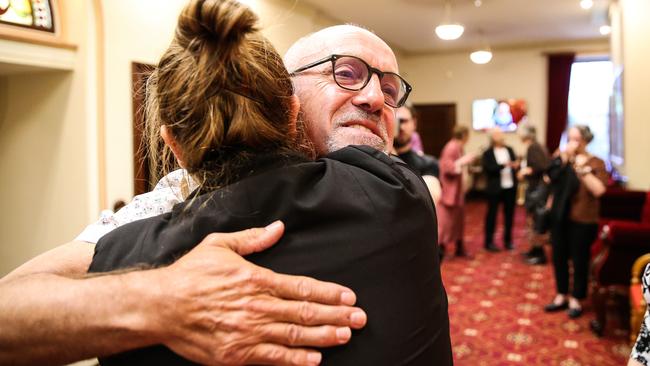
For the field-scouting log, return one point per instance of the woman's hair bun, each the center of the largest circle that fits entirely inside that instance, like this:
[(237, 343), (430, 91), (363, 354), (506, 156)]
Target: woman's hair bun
[(219, 24)]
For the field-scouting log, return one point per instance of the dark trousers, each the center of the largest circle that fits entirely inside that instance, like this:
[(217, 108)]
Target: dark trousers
[(507, 197), (572, 241)]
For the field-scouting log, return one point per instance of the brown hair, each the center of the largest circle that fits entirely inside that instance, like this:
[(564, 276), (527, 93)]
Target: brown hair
[(223, 92), (460, 132)]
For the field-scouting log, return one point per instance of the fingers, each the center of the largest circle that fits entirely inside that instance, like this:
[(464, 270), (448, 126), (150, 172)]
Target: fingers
[(248, 241), (272, 354), (294, 335), (306, 289), (308, 313)]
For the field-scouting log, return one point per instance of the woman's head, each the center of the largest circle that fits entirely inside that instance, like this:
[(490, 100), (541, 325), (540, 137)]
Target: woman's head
[(461, 133), (580, 136), (220, 94)]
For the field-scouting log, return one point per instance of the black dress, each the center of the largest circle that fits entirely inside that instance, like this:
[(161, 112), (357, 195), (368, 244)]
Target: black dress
[(356, 217)]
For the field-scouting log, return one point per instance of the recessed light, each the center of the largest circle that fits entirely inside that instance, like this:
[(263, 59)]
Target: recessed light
[(586, 4)]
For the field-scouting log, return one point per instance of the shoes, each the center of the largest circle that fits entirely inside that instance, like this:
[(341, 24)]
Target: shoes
[(460, 249), (491, 248), (574, 313), (596, 327), (553, 307), (528, 254), (536, 260)]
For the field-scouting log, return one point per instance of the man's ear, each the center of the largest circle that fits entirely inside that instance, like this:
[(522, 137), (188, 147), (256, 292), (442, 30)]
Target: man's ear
[(170, 141), (294, 109)]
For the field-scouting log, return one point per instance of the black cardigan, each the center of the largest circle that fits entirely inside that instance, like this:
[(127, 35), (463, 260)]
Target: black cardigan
[(356, 218), (493, 170)]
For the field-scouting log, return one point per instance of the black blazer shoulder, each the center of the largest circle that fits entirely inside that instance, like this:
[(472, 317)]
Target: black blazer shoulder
[(492, 169), (356, 217)]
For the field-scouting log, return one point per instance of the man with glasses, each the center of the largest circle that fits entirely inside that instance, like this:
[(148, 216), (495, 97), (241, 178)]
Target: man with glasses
[(348, 84)]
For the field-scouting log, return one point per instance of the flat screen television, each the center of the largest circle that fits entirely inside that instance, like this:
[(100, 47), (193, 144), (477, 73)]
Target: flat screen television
[(505, 114)]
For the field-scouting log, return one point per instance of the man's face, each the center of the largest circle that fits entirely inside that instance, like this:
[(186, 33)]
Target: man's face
[(406, 127), (336, 117)]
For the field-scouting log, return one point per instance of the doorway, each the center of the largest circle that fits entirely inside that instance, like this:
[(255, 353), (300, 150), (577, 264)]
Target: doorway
[(436, 124)]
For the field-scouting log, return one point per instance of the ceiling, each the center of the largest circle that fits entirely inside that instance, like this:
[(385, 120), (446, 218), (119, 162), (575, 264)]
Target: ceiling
[(409, 24)]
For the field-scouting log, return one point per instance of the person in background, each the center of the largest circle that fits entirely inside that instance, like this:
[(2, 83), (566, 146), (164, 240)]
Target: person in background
[(451, 214), (641, 351), (403, 144), (499, 164), (532, 171), (416, 141), (578, 180)]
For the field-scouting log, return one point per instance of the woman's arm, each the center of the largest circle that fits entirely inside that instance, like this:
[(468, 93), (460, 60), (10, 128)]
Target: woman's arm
[(592, 174)]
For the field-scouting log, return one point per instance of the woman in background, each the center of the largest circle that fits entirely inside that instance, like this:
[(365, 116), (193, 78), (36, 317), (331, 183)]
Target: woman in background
[(578, 180), (451, 208)]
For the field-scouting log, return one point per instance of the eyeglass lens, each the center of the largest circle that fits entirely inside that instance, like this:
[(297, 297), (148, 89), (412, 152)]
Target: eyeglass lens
[(352, 73)]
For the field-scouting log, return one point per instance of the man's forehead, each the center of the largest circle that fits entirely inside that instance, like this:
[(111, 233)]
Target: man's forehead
[(353, 41)]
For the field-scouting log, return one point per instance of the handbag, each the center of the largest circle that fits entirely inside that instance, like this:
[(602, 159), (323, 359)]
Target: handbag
[(541, 219)]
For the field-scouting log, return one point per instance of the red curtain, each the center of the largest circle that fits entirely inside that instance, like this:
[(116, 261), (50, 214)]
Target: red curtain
[(559, 75)]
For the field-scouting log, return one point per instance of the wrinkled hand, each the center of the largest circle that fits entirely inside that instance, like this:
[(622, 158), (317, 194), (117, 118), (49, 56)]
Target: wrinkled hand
[(223, 310)]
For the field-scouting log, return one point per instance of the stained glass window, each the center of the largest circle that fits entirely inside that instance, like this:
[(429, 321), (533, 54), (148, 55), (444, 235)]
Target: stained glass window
[(35, 14)]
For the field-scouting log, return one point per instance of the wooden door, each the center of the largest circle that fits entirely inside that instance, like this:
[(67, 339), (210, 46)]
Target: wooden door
[(435, 125)]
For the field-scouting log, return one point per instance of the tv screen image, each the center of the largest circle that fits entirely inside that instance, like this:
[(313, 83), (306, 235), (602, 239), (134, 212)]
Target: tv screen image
[(506, 114)]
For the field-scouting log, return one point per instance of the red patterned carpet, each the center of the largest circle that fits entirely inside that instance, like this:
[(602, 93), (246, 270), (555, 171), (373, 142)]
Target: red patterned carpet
[(496, 309)]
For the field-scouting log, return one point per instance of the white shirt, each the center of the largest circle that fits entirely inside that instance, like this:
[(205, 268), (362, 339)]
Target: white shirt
[(167, 193), (502, 157)]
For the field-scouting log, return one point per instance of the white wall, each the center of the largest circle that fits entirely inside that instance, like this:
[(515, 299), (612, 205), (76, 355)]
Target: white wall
[(43, 190), (514, 73), (636, 91)]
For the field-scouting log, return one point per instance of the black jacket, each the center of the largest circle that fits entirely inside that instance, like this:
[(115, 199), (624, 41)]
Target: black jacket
[(356, 218), (422, 164), (493, 169)]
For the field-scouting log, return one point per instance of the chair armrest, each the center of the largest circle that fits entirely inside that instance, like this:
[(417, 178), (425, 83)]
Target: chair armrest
[(627, 234)]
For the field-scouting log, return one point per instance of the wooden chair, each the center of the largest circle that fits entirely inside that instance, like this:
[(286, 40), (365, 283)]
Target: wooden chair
[(638, 304)]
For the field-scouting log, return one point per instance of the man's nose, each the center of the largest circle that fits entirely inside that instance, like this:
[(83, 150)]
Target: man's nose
[(370, 98)]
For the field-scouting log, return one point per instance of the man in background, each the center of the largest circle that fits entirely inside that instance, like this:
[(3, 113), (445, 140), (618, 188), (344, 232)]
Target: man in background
[(421, 163)]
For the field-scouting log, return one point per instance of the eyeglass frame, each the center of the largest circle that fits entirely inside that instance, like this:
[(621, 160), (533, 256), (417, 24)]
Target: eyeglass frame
[(371, 70)]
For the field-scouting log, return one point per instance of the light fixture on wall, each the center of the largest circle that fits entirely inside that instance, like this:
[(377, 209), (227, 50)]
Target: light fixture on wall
[(449, 31), (586, 4)]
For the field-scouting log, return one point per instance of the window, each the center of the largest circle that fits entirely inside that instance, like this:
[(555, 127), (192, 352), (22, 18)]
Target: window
[(589, 101), (35, 14)]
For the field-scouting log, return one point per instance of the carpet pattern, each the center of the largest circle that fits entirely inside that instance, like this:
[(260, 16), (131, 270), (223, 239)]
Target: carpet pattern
[(496, 306)]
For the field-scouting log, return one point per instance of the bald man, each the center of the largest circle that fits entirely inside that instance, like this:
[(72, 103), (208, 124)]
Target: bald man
[(336, 117)]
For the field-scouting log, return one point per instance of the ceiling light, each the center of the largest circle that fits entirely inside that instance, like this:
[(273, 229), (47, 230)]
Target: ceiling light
[(478, 3), (481, 56), (586, 4), (605, 29), (449, 32)]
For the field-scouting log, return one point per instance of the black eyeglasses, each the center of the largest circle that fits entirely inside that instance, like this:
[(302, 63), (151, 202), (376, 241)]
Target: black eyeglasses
[(353, 73)]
